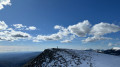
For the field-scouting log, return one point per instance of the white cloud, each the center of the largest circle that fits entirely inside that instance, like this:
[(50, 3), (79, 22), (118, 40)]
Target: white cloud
[(3, 26), (23, 27), (58, 27), (80, 29), (36, 40), (95, 38), (4, 2), (13, 35), (19, 26), (49, 37), (31, 28), (111, 44), (9, 34), (56, 36), (104, 28), (19, 34), (66, 41), (100, 29), (62, 33)]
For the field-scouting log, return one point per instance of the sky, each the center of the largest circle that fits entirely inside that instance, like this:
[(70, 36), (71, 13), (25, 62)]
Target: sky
[(34, 25)]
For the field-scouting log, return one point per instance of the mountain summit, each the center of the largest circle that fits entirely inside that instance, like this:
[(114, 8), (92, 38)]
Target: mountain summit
[(56, 57)]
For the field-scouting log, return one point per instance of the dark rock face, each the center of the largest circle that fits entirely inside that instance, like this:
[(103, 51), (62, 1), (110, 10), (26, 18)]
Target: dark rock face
[(41, 58)]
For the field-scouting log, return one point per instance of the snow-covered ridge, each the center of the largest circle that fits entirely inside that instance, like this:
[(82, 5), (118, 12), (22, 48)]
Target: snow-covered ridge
[(73, 58), (116, 48)]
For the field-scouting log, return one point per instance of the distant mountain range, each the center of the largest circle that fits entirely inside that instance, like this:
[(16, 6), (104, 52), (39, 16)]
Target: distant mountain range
[(16, 59), (57, 57), (114, 51)]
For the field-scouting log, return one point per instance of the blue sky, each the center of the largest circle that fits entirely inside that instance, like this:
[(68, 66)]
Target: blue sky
[(44, 15)]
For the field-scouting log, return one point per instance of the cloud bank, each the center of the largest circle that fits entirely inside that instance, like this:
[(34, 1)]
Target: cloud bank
[(82, 30), (85, 30)]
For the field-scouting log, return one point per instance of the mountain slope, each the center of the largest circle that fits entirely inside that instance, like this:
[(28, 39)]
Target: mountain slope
[(73, 58)]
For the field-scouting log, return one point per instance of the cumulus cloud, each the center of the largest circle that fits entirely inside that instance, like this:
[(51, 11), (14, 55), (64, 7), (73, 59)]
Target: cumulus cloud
[(100, 29), (19, 26), (61, 34), (68, 39), (13, 35), (58, 27), (9, 34), (31, 28), (80, 29), (64, 34), (4, 3), (3, 26), (23, 27), (19, 34), (49, 37), (67, 34), (95, 38), (56, 36), (104, 28)]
